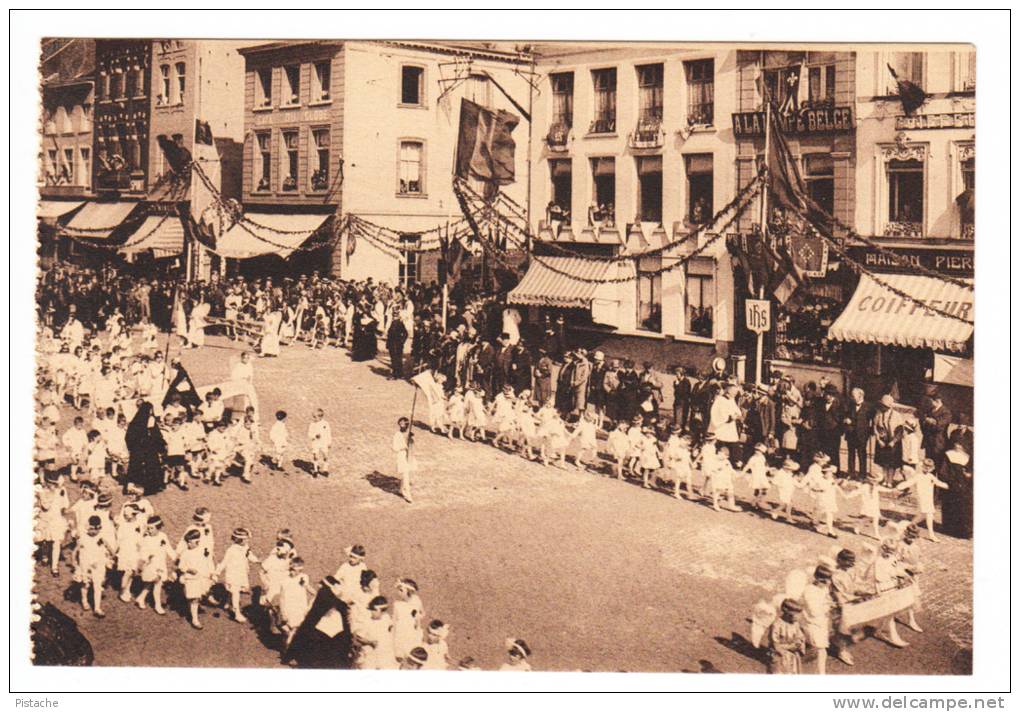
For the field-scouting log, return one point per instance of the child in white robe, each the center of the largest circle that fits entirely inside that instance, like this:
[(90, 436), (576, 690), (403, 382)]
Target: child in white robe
[(456, 414), (233, 569), (294, 598), (924, 483), (320, 435), (586, 435), (756, 470), (408, 613)]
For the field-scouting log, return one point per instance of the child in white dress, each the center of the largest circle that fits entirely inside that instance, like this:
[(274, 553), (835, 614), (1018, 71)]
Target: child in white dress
[(924, 483), (456, 414), (784, 482), (722, 481), (756, 469), (320, 435), (95, 553), (375, 639), (476, 418), (195, 572), (649, 462), (129, 542), (586, 435), (52, 524), (233, 569), (619, 446), (279, 437), (436, 647), (870, 495), (408, 613), (294, 598)]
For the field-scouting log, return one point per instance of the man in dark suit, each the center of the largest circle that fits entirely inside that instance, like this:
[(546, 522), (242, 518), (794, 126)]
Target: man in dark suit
[(502, 373), (828, 425), (857, 428), (935, 426), (681, 398)]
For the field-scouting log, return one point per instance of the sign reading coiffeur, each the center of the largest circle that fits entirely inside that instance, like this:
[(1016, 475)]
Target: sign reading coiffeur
[(831, 119)]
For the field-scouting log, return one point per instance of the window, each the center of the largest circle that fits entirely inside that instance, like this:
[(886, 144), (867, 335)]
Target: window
[(822, 85), (699, 298), (783, 86), (163, 98), (69, 166), (604, 81), (908, 65), (53, 168), (263, 161), (818, 177), (140, 82), (603, 172), (86, 165), (479, 89), (649, 293), (407, 270), (650, 93), (965, 201), (968, 74), (263, 88), (181, 82), (320, 168), (906, 197), (649, 170), (131, 83), (563, 99), (289, 169), (411, 170), (559, 171), (321, 81), (103, 90), (117, 84), (700, 92), (412, 85), (699, 187), (292, 85)]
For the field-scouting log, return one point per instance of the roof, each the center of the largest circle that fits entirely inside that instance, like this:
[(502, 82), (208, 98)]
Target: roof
[(268, 234), (257, 48), (560, 282), (163, 234), (877, 315)]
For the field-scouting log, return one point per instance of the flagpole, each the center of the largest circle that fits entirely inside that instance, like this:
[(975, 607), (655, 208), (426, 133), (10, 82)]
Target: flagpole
[(763, 222)]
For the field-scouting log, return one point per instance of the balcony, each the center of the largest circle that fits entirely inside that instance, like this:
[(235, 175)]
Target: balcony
[(603, 125), (558, 136), (647, 134), (903, 228)]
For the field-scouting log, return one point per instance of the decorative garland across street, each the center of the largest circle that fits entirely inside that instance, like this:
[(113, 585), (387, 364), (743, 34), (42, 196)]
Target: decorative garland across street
[(680, 261), (85, 239)]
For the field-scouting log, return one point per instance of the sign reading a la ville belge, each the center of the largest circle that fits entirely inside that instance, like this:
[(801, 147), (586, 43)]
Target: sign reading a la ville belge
[(807, 120)]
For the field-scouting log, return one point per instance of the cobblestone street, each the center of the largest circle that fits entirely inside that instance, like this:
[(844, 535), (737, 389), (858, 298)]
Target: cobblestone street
[(594, 573)]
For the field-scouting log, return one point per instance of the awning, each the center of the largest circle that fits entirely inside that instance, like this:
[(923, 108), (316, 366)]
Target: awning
[(53, 209), (561, 283), (876, 315), (97, 220), (260, 237), (163, 234), (953, 370)]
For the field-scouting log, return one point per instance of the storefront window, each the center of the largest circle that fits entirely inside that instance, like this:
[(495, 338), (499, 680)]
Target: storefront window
[(649, 285), (699, 298), (802, 329)]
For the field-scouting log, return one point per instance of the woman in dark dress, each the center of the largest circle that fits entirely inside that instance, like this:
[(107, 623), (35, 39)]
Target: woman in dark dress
[(364, 344), (145, 446)]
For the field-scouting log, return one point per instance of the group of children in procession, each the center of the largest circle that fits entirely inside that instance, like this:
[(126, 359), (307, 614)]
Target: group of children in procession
[(132, 551), (811, 616), (671, 460)]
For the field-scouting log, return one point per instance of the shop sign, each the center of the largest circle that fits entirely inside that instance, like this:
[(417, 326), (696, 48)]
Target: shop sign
[(962, 120), (823, 120), (957, 263), (758, 315), (303, 116)]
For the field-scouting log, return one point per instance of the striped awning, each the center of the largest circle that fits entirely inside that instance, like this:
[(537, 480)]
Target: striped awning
[(877, 315), (98, 220), (559, 282), (53, 209), (261, 234), (163, 234)]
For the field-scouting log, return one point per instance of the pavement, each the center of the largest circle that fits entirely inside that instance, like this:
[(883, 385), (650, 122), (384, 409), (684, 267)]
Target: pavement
[(594, 573)]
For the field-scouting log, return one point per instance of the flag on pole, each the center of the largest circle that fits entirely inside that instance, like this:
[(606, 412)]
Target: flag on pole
[(911, 95), (485, 147)]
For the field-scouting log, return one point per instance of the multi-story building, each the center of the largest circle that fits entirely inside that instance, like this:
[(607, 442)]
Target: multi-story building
[(632, 148), (366, 129), (814, 93), (915, 182), (155, 100), (65, 171)]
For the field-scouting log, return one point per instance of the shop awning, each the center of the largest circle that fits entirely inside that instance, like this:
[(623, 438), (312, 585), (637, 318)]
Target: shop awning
[(53, 209), (560, 282), (98, 220), (953, 370), (267, 234), (163, 234), (876, 315)]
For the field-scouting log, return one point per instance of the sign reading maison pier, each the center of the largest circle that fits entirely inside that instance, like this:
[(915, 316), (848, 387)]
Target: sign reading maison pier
[(831, 119), (962, 120)]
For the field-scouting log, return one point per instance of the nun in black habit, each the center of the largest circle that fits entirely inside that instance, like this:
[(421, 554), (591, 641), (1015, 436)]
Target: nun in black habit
[(323, 640), (145, 446)]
